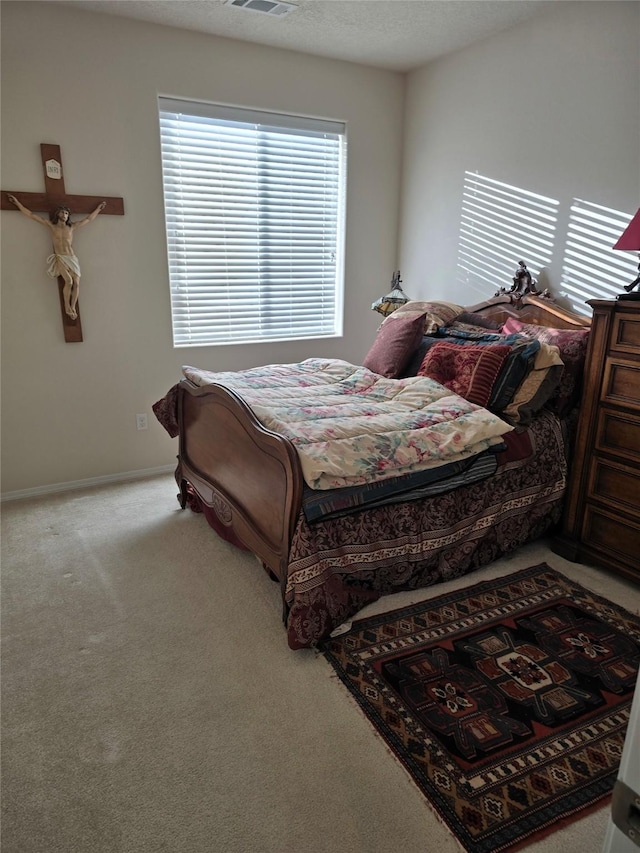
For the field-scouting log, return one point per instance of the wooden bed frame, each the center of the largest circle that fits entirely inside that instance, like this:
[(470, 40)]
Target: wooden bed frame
[(251, 477)]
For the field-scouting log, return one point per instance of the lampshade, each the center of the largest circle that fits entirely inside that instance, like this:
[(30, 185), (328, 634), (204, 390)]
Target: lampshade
[(630, 237), (394, 299)]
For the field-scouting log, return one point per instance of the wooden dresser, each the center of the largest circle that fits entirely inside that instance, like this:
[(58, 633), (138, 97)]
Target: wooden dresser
[(601, 523)]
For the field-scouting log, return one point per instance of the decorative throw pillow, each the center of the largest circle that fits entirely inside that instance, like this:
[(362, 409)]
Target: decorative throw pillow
[(469, 320), (466, 370), (572, 346), (417, 357), (522, 353), (538, 386), (394, 345), (454, 335), (516, 367), (435, 314)]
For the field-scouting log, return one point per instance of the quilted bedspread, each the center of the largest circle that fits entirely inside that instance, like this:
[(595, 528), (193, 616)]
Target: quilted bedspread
[(352, 426)]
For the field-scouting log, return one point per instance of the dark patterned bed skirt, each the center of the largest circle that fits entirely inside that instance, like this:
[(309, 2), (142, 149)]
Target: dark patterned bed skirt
[(338, 566)]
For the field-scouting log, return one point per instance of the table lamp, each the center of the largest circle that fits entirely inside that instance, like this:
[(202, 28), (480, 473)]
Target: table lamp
[(629, 240), (394, 299)]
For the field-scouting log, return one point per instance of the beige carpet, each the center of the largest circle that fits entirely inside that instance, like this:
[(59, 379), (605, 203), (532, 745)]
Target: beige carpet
[(151, 703)]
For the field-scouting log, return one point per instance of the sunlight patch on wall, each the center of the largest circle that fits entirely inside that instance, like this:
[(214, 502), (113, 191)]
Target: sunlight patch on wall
[(591, 268), (500, 226)]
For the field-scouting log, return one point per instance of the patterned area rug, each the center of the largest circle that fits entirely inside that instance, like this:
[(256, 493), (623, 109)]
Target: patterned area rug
[(507, 701)]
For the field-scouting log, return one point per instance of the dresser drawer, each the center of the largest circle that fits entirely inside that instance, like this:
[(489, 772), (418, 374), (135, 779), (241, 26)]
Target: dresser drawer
[(619, 433), (616, 537), (615, 485), (625, 335), (621, 383)]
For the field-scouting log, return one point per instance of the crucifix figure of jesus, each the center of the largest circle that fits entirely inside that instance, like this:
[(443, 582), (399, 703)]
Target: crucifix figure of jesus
[(63, 261)]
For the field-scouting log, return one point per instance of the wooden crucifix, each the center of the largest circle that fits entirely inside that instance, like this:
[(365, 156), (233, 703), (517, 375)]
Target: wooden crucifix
[(55, 199)]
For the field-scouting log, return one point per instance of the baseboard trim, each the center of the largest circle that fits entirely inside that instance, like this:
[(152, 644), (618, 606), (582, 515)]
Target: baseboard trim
[(72, 485)]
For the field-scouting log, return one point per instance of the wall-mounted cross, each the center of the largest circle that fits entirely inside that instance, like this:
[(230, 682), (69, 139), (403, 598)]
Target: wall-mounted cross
[(54, 196)]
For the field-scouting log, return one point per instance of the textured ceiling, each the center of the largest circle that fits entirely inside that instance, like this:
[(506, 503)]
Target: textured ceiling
[(395, 34)]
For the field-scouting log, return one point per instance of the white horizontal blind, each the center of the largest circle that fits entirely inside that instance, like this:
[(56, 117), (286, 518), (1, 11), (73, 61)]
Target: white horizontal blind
[(254, 206)]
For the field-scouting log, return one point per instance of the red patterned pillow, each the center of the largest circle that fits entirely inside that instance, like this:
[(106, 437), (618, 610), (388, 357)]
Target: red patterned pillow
[(572, 346), (467, 371), (394, 345)]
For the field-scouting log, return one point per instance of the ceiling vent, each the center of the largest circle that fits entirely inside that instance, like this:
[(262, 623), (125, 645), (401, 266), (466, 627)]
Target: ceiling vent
[(266, 7)]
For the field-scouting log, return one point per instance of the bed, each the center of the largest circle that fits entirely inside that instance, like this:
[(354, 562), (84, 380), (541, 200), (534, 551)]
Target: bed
[(333, 551)]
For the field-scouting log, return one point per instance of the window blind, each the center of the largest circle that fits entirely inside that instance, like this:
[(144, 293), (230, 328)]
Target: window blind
[(254, 207)]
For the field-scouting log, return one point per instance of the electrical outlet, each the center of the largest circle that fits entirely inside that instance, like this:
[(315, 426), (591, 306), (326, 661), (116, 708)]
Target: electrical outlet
[(141, 421)]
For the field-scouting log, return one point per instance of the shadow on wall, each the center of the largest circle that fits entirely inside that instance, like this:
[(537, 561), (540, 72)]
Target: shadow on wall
[(501, 224), (591, 268)]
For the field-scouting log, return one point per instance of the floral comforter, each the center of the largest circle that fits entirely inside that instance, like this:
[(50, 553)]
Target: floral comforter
[(352, 426)]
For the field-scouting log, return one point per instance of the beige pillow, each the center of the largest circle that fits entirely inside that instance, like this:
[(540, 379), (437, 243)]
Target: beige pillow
[(436, 314)]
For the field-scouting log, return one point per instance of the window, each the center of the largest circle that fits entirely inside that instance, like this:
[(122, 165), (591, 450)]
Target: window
[(254, 206)]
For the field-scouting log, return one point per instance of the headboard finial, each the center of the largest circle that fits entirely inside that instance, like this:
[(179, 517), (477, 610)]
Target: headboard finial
[(523, 285)]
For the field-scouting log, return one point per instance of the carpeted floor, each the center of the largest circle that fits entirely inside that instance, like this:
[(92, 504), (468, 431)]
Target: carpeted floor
[(151, 703)]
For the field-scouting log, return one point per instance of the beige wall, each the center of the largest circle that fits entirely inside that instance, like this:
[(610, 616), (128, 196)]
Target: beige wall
[(89, 83), (551, 106)]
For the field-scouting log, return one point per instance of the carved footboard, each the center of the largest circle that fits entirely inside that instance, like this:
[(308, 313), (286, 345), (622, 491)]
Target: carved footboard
[(249, 475)]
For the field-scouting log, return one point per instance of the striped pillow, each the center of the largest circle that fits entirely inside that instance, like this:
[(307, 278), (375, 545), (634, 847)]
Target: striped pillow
[(537, 387), (465, 370), (572, 346)]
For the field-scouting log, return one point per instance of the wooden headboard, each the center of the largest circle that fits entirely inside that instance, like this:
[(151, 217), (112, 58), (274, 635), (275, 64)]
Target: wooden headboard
[(541, 310)]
